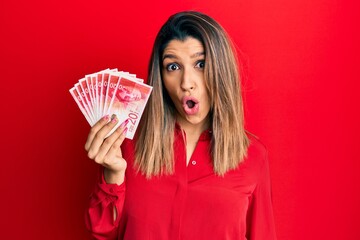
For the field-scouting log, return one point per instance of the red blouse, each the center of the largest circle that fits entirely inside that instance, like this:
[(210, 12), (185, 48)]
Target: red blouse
[(191, 204)]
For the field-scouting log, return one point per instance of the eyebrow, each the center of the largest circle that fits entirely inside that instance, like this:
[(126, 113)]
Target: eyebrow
[(172, 56)]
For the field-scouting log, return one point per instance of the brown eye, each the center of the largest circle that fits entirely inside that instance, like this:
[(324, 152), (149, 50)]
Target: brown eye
[(200, 64), (172, 67)]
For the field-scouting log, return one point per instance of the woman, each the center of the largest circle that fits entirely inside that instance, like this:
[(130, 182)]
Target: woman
[(192, 172)]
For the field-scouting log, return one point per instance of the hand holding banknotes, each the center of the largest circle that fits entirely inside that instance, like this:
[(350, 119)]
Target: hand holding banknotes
[(120, 95), (111, 92), (106, 150)]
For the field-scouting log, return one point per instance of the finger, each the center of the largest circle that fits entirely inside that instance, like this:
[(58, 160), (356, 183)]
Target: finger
[(122, 137), (111, 143), (98, 139), (107, 145), (114, 153), (115, 147), (100, 147), (101, 123)]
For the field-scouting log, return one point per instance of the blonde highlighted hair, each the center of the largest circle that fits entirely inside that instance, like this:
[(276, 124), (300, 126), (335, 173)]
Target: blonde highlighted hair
[(154, 146)]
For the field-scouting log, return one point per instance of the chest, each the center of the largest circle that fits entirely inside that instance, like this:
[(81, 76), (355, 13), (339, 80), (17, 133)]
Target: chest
[(192, 193)]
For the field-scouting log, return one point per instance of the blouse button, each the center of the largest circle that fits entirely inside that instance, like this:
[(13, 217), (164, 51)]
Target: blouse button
[(193, 162)]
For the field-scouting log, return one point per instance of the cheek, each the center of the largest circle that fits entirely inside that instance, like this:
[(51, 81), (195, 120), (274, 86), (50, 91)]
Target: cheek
[(169, 84), (207, 102), (169, 88)]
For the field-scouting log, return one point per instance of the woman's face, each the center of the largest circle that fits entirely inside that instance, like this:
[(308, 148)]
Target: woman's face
[(183, 76)]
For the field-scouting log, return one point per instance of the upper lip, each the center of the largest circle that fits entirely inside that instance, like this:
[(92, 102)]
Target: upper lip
[(189, 98)]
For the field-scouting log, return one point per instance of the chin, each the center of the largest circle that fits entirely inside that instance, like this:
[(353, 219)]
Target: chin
[(195, 120)]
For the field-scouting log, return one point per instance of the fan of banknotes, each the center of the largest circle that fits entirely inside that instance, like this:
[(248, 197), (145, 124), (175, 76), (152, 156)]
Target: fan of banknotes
[(112, 92)]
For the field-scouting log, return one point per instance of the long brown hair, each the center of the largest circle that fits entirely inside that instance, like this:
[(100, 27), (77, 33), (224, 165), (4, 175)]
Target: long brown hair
[(154, 146)]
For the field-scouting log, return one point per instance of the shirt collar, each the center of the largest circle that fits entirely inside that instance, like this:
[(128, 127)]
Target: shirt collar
[(205, 135)]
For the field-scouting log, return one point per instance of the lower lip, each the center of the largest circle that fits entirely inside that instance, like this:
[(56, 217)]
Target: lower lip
[(191, 111)]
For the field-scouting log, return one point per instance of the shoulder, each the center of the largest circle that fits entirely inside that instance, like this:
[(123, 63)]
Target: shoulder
[(256, 157), (257, 148)]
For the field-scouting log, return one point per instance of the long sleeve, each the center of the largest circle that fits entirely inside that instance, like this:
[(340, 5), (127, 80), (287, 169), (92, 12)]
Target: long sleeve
[(260, 219), (99, 217)]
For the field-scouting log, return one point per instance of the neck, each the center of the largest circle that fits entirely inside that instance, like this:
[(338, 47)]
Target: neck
[(193, 131)]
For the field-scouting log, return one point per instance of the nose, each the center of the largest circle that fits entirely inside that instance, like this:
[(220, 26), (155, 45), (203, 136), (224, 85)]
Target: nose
[(187, 80)]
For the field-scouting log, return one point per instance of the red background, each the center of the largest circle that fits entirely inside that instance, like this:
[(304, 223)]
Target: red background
[(301, 61)]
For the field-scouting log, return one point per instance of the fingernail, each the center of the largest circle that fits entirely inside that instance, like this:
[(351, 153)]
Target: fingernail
[(106, 118), (113, 118), (125, 130), (124, 123)]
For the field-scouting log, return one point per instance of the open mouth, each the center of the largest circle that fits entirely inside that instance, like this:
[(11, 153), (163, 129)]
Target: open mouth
[(190, 105)]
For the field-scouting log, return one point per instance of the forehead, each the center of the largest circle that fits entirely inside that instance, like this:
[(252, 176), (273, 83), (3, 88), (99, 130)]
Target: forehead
[(187, 46)]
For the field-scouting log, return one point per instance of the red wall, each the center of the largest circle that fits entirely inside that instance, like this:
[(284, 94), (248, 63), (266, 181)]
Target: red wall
[(301, 60)]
